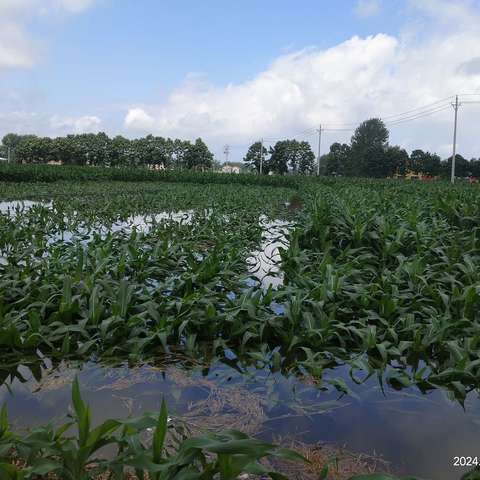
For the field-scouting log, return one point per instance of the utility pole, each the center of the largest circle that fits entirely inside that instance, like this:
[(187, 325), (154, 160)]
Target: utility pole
[(9, 154), (261, 156), (319, 148), (455, 106), (226, 151)]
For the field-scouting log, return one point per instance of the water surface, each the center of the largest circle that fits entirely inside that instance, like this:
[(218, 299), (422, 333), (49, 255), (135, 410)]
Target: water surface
[(417, 433)]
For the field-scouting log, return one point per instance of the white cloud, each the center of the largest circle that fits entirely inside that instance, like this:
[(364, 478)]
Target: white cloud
[(17, 48), (377, 75), (138, 119), (367, 8), (450, 11), (85, 124), (74, 6)]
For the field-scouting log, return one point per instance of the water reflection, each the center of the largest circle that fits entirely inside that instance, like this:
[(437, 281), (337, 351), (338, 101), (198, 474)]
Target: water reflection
[(419, 434), (9, 207), (264, 263)]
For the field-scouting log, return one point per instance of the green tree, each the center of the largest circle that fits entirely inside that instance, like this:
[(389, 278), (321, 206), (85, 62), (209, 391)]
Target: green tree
[(336, 161), (177, 152), (198, 156), (30, 150), (306, 163), (12, 140), (463, 168), (395, 161), (252, 158), (291, 155), (424, 162), (368, 145), (475, 167), (280, 156), (119, 151)]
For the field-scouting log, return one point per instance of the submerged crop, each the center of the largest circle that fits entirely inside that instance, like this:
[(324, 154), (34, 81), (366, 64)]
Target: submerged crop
[(365, 277), (378, 278)]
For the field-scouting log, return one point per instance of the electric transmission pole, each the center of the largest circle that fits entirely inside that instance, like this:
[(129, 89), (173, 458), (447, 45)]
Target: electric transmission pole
[(455, 106), (226, 151), (261, 156), (319, 148)]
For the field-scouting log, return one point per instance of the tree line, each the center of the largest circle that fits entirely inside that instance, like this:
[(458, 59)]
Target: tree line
[(100, 150), (368, 154)]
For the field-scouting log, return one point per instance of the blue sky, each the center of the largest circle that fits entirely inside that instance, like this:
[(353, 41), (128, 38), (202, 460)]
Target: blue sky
[(232, 71)]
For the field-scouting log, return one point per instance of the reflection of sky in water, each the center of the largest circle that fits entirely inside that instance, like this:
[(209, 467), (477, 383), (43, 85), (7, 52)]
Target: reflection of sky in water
[(419, 434), (264, 263), (10, 207)]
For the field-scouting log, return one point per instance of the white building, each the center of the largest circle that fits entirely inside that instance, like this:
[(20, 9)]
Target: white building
[(231, 167)]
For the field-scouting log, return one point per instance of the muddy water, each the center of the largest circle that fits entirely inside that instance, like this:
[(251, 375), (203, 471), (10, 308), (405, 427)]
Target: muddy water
[(419, 434)]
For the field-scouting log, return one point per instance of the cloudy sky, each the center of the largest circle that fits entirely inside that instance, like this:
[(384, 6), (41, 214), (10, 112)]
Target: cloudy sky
[(234, 71)]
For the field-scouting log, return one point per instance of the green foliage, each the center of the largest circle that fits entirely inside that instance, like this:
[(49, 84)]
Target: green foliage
[(17, 173), (381, 276), (99, 150), (425, 162), (198, 156), (291, 156), (170, 454), (257, 154)]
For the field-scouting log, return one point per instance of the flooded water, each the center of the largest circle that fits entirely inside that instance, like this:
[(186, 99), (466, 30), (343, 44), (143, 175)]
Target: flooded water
[(264, 263), (418, 434), (20, 205)]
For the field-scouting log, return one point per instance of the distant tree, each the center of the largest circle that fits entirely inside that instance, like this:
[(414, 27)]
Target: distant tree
[(368, 144), (306, 158), (119, 150), (252, 158), (198, 156), (424, 162), (463, 168), (293, 156), (12, 140), (475, 167), (177, 151), (336, 161), (280, 156), (31, 149), (395, 161), (100, 149)]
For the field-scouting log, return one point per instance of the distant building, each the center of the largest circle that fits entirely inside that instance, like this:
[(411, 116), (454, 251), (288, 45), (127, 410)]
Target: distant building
[(232, 167), (409, 175)]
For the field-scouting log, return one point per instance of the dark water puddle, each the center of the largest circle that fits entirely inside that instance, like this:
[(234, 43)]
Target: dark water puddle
[(418, 434)]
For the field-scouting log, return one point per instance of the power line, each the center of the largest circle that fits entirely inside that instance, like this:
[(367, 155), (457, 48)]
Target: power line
[(398, 121), (393, 117), (391, 120), (273, 139), (425, 107), (423, 114)]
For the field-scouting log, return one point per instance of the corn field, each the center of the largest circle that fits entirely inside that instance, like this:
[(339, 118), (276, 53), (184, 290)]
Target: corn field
[(378, 276)]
